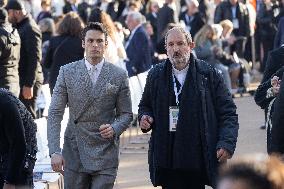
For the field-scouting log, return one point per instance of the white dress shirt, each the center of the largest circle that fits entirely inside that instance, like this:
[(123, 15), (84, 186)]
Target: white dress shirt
[(94, 70), (181, 74)]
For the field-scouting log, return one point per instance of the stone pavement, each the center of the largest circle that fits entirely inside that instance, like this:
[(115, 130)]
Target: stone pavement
[(133, 169)]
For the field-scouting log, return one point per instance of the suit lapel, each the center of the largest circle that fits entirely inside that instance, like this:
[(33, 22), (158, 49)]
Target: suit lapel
[(102, 80), (92, 91), (84, 80)]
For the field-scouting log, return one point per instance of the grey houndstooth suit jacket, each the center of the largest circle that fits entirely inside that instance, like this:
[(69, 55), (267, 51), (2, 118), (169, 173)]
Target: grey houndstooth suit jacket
[(108, 102)]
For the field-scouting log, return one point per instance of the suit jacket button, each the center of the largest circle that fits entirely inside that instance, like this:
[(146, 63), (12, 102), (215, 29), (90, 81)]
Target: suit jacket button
[(75, 122)]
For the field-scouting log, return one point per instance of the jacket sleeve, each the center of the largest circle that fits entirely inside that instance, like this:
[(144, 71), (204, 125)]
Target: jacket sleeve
[(145, 105), (55, 113), (260, 94), (123, 108), (14, 131), (227, 117), (32, 45), (277, 122)]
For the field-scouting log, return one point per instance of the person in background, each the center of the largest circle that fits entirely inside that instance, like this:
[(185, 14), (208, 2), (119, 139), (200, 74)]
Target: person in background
[(151, 16), (82, 9), (237, 13), (47, 28), (257, 171), (206, 42), (165, 15), (192, 18), (45, 13), (3, 3), (10, 44), (30, 70), (137, 47), (59, 52)]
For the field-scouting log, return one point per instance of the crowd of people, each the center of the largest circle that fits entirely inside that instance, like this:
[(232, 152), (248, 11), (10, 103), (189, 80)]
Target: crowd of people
[(195, 55)]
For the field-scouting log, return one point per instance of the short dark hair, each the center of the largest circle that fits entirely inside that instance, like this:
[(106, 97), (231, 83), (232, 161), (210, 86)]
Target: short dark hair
[(95, 26)]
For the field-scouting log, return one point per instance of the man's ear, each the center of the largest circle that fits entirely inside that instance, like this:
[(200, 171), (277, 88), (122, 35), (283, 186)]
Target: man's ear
[(192, 45)]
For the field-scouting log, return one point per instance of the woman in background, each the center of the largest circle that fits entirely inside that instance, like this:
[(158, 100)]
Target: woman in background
[(64, 48)]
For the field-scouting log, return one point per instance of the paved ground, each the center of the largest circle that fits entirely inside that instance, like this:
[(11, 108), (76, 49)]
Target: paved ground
[(133, 170)]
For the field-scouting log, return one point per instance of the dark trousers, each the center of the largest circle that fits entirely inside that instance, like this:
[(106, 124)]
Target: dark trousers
[(176, 179), (26, 179), (31, 103), (103, 179)]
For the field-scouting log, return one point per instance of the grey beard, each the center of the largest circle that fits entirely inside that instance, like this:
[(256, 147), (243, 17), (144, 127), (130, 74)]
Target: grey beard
[(180, 62)]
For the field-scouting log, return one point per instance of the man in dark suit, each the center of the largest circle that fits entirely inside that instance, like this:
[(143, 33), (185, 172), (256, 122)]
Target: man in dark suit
[(165, 15), (192, 18), (30, 71), (138, 46)]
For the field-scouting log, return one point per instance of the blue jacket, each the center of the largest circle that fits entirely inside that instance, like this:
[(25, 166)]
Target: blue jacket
[(138, 53)]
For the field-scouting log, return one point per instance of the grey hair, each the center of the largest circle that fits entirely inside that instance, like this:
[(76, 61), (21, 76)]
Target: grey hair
[(183, 31), (194, 2), (47, 25), (136, 16)]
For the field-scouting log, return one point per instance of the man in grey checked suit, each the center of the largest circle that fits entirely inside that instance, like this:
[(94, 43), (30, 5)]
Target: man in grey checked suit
[(98, 97)]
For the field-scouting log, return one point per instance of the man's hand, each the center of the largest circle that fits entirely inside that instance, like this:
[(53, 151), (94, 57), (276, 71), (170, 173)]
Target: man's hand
[(27, 92), (106, 131), (57, 163), (223, 155), (9, 186), (146, 121), (275, 82)]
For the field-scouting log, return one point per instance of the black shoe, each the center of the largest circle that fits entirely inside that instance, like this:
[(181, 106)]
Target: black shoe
[(262, 127)]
